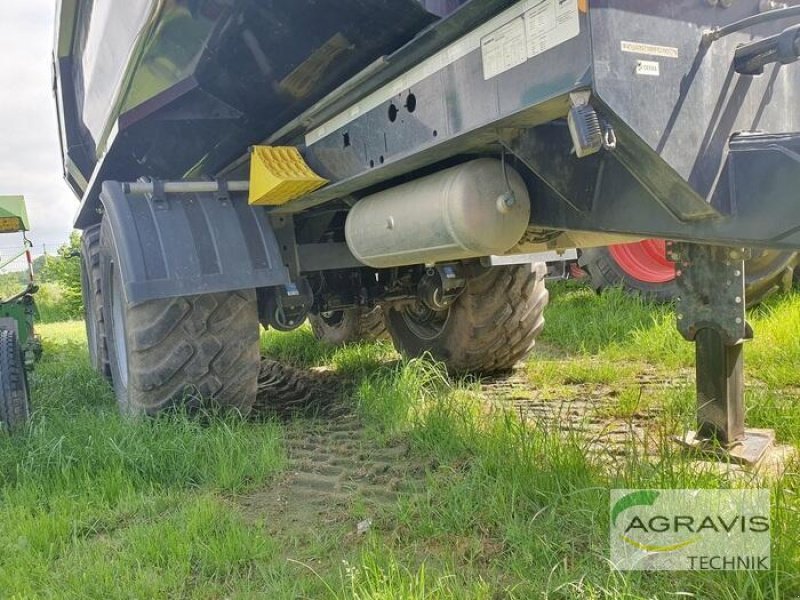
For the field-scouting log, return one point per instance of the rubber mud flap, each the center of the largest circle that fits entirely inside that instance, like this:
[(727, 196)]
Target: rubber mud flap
[(173, 245)]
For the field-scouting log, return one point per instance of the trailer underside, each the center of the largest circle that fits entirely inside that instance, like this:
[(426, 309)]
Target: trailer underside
[(599, 122)]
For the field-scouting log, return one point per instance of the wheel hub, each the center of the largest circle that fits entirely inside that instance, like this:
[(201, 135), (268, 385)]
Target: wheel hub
[(425, 323), (645, 261)]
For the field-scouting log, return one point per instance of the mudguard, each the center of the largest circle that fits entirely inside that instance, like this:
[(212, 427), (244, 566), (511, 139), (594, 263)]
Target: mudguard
[(187, 244)]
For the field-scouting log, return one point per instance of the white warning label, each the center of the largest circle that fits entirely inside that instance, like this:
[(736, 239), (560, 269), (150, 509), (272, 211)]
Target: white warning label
[(550, 23), (640, 48), (504, 48), (648, 67)]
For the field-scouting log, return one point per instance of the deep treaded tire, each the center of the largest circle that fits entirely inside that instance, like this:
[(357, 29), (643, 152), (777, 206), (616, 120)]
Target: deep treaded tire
[(766, 272), (14, 411), (191, 352), (490, 328), (604, 272), (93, 301), (349, 326)]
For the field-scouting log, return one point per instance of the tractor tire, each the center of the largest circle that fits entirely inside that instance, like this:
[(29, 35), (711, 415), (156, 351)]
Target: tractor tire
[(14, 408), (768, 272), (93, 301), (642, 269), (490, 327), (654, 279), (349, 326), (190, 353)]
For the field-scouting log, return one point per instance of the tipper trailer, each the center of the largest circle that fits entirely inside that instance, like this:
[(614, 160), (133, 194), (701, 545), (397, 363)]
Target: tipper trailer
[(246, 161)]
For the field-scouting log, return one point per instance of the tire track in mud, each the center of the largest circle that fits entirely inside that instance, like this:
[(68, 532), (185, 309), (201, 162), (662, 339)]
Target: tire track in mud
[(339, 481)]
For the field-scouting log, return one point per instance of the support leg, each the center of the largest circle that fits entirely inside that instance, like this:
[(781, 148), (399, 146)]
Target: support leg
[(711, 313), (720, 388)]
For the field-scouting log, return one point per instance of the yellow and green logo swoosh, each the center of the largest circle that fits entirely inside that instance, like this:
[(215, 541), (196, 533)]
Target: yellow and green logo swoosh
[(644, 498)]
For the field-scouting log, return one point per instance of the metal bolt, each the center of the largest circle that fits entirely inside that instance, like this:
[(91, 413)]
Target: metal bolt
[(506, 202), (738, 320), (737, 273), (738, 299), (680, 317)]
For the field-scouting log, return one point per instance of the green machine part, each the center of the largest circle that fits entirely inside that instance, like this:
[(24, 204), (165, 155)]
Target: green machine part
[(13, 214), (23, 311), (22, 307)]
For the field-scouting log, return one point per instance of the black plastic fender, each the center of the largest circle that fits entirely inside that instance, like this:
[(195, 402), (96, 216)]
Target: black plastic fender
[(186, 244)]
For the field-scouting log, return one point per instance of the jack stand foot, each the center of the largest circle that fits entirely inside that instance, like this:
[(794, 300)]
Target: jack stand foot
[(748, 451), (711, 313)]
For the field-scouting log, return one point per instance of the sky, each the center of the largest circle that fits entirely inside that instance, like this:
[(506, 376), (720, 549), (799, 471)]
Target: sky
[(30, 160)]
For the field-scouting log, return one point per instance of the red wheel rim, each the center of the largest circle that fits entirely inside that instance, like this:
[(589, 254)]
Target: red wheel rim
[(645, 261)]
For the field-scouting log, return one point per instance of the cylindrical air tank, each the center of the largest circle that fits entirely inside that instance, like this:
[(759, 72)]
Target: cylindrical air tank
[(475, 209)]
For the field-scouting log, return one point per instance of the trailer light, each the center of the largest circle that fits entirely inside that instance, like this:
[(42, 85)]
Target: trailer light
[(585, 129)]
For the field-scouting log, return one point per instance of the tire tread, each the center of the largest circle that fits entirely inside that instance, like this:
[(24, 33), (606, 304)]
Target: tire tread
[(492, 326), (14, 408)]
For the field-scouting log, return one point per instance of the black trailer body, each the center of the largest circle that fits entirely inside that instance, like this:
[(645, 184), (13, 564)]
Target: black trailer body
[(671, 96), (581, 122)]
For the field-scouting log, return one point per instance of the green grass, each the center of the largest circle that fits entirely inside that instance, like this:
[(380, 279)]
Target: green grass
[(530, 507), (96, 506)]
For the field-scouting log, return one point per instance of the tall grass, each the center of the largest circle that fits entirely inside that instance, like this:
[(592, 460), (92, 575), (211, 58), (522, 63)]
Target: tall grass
[(527, 506), (96, 505)]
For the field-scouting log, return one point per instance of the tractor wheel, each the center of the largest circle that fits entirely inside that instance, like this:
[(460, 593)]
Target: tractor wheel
[(768, 272), (642, 268), (192, 352), (93, 301), (14, 411), (490, 327), (350, 326)]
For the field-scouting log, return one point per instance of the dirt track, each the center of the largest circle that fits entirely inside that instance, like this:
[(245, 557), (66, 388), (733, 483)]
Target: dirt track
[(335, 471), (339, 479), (334, 465)]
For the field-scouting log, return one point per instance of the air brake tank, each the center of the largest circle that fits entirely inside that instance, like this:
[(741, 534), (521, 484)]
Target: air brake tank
[(476, 209)]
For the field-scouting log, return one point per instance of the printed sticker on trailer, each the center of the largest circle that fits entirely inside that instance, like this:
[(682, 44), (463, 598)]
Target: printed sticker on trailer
[(550, 23), (648, 68), (546, 24), (649, 49), (504, 49)]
